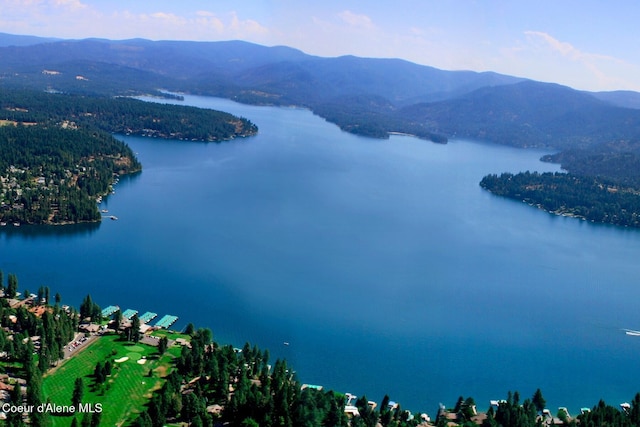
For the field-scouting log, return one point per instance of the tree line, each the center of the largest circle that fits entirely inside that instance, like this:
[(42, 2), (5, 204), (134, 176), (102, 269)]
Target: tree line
[(123, 115), (248, 390), (591, 198), (28, 359), (58, 154)]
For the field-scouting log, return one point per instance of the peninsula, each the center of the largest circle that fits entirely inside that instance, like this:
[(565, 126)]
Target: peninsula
[(58, 156), (590, 198)]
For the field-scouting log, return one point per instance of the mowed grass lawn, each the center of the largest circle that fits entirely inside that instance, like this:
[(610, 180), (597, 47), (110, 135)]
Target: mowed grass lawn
[(124, 393)]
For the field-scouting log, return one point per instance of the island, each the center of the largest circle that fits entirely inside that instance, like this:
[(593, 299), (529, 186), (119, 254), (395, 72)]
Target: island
[(58, 155)]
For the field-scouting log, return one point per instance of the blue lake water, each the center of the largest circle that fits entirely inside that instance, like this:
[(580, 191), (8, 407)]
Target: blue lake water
[(382, 263)]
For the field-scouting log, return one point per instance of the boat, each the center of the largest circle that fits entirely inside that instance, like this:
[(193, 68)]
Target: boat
[(16, 224), (632, 332), (113, 217), (2, 224), (285, 343), (104, 210)]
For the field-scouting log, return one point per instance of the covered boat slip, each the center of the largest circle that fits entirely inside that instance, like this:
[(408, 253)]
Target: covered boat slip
[(165, 322)]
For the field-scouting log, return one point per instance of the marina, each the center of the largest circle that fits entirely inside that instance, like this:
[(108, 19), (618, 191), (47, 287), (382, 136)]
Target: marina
[(166, 321), (148, 317), (129, 313), (110, 310)]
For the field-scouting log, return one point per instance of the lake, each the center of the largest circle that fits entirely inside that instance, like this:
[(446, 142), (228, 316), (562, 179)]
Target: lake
[(382, 263)]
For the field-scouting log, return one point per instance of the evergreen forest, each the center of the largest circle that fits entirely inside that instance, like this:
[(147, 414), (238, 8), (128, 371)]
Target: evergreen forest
[(210, 384), (590, 198), (58, 156)]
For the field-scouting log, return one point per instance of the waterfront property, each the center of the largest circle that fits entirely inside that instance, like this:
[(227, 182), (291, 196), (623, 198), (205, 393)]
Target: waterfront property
[(110, 310), (147, 317), (166, 321), (129, 313), (279, 225)]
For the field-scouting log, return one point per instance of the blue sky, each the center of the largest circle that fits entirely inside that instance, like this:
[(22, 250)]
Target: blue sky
[(592, 45)]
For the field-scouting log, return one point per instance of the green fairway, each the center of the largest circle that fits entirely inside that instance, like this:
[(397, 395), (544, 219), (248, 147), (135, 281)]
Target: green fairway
[(134, 356), (124, 392)]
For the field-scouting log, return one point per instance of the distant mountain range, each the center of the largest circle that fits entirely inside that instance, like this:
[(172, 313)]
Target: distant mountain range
[(365, 96)]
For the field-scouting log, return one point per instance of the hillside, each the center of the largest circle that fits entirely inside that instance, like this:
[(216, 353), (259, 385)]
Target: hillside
[(592, 133), (529, 114)]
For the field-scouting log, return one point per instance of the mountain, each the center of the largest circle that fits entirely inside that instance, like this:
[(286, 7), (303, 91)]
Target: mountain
[(366, 96), (529, 114), (620, 98), (239, 67), (15, 40)]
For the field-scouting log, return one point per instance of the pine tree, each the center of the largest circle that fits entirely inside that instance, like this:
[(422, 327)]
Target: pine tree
[(135, 328), (12, 286), (78, 392)]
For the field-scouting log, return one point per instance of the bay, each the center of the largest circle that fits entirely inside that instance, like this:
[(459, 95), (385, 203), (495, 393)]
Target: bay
[(383, 264)]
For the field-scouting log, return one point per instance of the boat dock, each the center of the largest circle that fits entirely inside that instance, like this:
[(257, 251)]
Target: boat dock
[(166, 321), (110, 310), (129, 313), (148, 317)]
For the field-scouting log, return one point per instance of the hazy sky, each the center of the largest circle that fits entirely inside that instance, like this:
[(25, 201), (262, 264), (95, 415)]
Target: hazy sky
[(585, 44)]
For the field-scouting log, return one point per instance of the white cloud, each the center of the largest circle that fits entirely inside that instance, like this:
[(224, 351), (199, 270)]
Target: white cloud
[(169, 19), (77, 19), (247, 27), (356, 20), (209, 22), (541, 56), (564, 48), (69, 4)]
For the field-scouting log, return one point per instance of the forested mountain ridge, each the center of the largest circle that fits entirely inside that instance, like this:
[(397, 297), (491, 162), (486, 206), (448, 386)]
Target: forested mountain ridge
[(409, 98), (250, 67), (18, 40), (592, 134), (530, 114), (238, 70), (620, 98)]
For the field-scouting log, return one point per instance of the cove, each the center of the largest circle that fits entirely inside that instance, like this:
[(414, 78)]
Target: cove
[(382, 263)]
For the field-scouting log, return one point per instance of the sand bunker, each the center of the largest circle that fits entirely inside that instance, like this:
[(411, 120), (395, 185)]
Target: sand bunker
[(122, 359)]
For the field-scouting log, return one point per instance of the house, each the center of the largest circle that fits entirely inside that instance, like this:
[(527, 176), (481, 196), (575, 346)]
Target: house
[(90, 328)]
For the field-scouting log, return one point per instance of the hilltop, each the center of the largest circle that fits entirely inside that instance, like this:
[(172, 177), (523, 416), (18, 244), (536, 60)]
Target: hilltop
[(367, 96), (590, 134)]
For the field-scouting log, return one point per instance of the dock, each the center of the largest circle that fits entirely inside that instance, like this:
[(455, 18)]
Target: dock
[(110, 310), (148, 317), (166, 321), (129, 313)]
